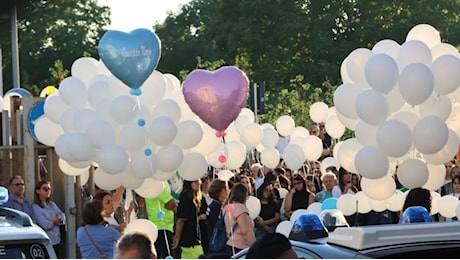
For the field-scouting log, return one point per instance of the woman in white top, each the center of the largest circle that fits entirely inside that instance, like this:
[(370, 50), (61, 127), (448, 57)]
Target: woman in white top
[(345, 186), (109, 204)]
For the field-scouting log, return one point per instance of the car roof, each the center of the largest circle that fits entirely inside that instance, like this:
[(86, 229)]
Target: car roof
[(16, 225), (367, 237)]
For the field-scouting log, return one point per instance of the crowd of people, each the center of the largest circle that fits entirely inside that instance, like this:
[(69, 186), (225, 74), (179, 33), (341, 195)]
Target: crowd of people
[(185, 223)]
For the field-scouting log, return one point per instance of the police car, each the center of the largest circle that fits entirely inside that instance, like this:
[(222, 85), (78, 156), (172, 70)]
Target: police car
[(413, 240), (20, 238)]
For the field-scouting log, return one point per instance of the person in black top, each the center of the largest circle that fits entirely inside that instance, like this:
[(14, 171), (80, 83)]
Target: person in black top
[(269, 215), (298, 197), (187, 233), (218, 191)]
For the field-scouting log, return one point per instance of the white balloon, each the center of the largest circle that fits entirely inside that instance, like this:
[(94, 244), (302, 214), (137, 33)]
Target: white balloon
[(164, 176), (241, 122), (328, 162), (270, 137), (315, 207), (396, 201), (129, 180), (442, 49), (47, 131), (193, 167), (100, 133), (123, 109), (248, 112), (348, 122), (435, 197), (162, 130), (143, 226), (363, 202), (416, 83), (371, 107), (408, 118), (69, 169), (105, 180), (387, 46), (334, 127), (425, 33), (143, 165), (83, 118), (61, 147), (169, 157), (168, 107), (447, 206), (154, 88), (85, 68), (436, 174), (151, 188), (67, 120), (285, 125), (297, 213), (73, 92), (312, 147), (132, 137), (378, 205), (80, 147), (98, 91), (270, 157), (445, 71), (294, 156), (394, 138), (347, 153), (284, 227), (447, 152), (189, 134), (413, 51), (213, 158), (356, 61), (412, 173), (371, 162), (299, 131), (54, 107), (344, 100), (235, 152), (395, 100), (436, 105), (252, 135), (209, 142), (254, 207), (318, 112), (378, 189), (114, 159), (366, 134), (346, 203), (430, 134), (381, 72), (225, 175)]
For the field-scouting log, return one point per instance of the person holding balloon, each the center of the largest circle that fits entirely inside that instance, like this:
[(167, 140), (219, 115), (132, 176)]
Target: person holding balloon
[(243, 234), (187, 235), (160, 211), (269, 215)]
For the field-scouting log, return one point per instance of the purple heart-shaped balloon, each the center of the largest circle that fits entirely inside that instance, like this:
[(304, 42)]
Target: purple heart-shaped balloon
[(216, 97)]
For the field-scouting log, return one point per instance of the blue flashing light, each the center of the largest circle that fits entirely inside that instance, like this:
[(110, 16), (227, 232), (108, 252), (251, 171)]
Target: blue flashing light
[(3, 195), (415, 214), (306, 227)]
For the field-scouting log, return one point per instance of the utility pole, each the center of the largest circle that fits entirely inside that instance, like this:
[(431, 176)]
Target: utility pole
[(14, 46)]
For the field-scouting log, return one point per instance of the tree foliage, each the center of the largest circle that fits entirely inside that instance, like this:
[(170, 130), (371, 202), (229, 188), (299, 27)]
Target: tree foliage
[(49, 31), (297, 47)]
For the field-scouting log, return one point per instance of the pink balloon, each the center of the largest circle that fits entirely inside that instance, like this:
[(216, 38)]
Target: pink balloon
[(216, 97)]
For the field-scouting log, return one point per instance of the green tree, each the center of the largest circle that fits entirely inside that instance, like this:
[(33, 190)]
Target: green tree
[(52, 30)]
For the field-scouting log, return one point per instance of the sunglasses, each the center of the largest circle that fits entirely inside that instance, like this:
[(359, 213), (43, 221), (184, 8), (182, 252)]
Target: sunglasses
[(46, 188), (18, 184)]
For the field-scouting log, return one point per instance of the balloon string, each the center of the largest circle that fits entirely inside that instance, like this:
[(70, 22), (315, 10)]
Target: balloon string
[(164, 230)]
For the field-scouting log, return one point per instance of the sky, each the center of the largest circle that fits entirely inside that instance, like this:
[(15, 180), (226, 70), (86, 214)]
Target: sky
[(128, 15)]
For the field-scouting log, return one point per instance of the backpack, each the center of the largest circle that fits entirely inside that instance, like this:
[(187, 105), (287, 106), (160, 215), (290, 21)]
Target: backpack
[(219, 237)]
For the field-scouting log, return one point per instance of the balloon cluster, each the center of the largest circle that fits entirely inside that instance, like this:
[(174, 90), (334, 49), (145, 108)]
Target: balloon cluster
[(401, 102)]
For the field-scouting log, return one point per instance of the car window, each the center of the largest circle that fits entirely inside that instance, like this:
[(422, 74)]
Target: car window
[(305, 254), (24, 251)]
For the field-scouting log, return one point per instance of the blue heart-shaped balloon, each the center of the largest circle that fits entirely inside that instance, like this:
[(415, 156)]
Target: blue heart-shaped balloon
[(131, 57)]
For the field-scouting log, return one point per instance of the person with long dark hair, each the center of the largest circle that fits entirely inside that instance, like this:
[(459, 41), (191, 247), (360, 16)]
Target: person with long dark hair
[(96, 239), (48, 215), (269, 215), (345, 185), (298, 197), (187, 234), (418, 197)]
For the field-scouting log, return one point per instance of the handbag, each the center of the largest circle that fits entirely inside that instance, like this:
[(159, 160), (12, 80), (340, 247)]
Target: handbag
[(103, 256)]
